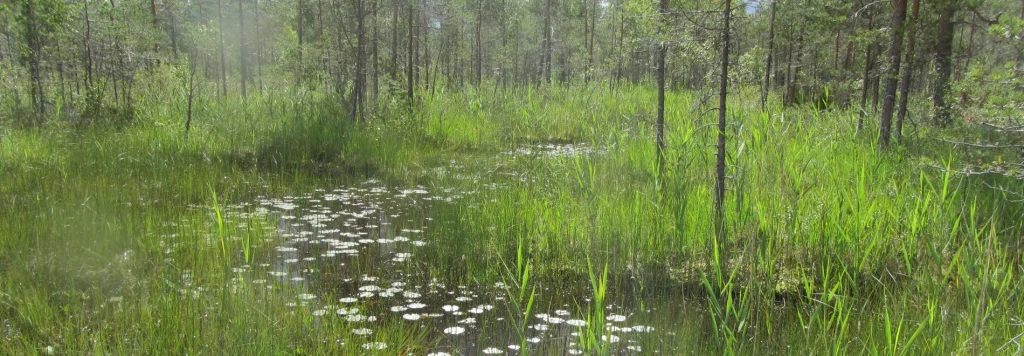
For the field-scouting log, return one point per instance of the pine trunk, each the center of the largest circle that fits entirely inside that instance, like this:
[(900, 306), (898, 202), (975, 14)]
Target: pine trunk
[(899, 14)]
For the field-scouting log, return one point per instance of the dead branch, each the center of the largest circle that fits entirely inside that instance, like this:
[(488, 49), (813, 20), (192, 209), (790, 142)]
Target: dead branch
[(978, 145)]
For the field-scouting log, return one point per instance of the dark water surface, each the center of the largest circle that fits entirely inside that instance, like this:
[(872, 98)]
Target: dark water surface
[(357, 253)]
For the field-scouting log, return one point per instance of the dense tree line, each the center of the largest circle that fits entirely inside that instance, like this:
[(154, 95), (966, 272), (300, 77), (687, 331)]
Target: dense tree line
[(872, 55)]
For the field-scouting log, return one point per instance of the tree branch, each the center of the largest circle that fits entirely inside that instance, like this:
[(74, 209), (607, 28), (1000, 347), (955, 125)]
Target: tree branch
[(986, 20), (978, 145)]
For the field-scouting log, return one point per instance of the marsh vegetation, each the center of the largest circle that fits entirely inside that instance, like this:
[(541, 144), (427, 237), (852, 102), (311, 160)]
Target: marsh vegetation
[(450, 178)]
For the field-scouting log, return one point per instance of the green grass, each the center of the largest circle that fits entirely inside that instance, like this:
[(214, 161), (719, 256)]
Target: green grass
[(833, 246)]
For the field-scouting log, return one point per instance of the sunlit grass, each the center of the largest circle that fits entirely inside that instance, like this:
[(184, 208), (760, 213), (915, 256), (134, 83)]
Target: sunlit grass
[(832, 245)]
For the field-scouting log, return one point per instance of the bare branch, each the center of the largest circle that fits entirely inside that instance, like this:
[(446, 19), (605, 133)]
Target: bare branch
[(1004, 190), (978, 145), (1003, 128), (966, 172)]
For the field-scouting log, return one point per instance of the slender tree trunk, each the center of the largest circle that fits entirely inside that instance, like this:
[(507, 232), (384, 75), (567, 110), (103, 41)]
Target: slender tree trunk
[(789, 75), (259, 47), (901, 112), (376, 61), (792, 90), (394, 43), (720, 158), (586, 40), (417, 35), (191, 93), (850, 50), (223, 67), (618, 50), (943, 62), (970, 47), (424, 31), (768, 60), (33, 40), (899, 14), (115, 72), (478, 51), (241, 50), (299, 30), (868, 63), (835, 51), (319, 20), (875, 81), (88, 46), (410, 63), (503, 68), (547, 41), (152, 10), (360, 80), (661, 49), (174, 34), (593, 30)]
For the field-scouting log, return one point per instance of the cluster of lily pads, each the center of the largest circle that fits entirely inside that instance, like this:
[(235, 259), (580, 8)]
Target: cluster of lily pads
[(326, 228)]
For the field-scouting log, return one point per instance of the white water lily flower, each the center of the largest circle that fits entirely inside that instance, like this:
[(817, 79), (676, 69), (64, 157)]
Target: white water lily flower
[(362, 331), (411, 317), (450, 308), (375, 346), (349, 311), (576, 322), (492, 351), (454, 330)]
